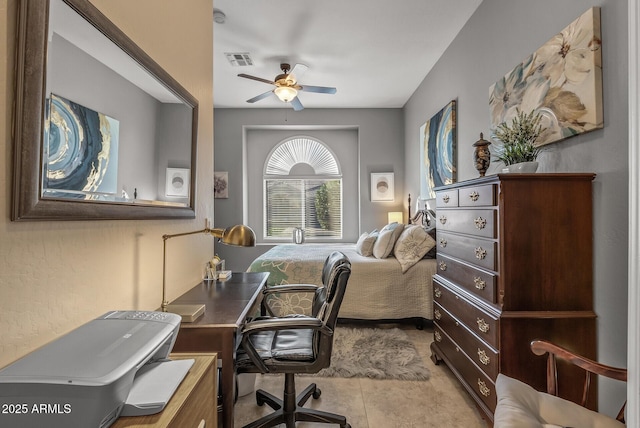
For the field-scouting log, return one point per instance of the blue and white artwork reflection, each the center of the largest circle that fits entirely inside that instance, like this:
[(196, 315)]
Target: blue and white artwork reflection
[(81, 151)]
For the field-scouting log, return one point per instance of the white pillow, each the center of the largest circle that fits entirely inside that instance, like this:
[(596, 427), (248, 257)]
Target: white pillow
[(521, 406), (365, 243), (387, 238), (412, 245)]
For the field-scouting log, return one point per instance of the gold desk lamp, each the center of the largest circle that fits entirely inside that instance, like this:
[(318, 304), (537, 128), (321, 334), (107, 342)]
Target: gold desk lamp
[(238, 235)]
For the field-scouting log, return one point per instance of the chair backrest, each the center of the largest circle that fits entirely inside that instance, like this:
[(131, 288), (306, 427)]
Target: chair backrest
[(540, 347), (335, 275)]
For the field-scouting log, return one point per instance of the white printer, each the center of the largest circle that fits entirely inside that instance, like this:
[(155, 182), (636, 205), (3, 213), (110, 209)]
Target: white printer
[(114, 365)]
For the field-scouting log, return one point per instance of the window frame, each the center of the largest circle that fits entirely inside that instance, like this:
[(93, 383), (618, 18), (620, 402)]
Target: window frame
[(305, 178)]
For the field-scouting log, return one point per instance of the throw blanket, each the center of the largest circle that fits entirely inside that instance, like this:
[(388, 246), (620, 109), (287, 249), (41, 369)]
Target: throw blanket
[(377, 288)]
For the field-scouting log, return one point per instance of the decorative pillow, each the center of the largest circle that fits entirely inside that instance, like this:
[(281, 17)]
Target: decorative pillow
[(431, 254), (521, 406), (364, 246), (387, 238), (412, 245)]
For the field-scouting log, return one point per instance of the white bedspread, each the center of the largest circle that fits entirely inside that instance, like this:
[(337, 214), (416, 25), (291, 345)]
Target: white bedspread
[(377, 288)]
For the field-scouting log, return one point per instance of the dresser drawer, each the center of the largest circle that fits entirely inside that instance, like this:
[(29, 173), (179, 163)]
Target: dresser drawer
[(478, 251), (483, 387), (447, 198), (477, 196), (473, 222), (482, 354), (480, 322), (471, 278)]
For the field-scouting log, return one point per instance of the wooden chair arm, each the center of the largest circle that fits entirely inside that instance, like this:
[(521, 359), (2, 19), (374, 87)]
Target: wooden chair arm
[(541, 347)]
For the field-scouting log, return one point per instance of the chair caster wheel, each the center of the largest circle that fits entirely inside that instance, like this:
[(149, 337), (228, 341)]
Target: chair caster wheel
[(259, 402), (317, 393)]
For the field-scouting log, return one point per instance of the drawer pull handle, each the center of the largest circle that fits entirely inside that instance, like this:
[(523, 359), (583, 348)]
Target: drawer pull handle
[(443, 219), (445, 199), (482, 325), (483, 357), (479, 283), (443, 242), (480, 223), (481, 253), (437, 336), (474, 196), (483, 388), (437, 314), (437, 292), (443, 266)]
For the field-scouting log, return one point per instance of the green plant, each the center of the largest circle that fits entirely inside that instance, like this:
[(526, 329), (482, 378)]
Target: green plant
[(325, 200), (518, 139)]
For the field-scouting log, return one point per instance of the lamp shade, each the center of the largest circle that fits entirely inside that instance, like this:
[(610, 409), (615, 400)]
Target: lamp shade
[(395, 216), (238, 235), (285, 93)]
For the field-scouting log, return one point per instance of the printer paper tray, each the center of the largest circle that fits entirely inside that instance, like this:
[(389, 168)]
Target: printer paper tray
[(154, 386)]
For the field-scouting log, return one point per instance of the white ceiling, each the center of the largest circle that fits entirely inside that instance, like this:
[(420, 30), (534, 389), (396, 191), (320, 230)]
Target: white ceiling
[(375, 53)]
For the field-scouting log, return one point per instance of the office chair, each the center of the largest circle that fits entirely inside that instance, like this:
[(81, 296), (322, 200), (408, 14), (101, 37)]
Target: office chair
[(296, 344)]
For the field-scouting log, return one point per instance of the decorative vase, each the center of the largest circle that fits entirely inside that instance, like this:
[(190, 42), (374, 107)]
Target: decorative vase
[(481, 155), (298, 235), (523, 167)]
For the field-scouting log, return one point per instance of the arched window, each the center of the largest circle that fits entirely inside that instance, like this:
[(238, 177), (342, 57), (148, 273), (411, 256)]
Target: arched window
[(302, 188)]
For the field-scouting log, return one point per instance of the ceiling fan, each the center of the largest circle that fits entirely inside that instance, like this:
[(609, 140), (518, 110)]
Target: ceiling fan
[(287, 87)]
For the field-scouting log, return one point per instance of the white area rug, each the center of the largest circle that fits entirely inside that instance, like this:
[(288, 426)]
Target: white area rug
[(374, 353)]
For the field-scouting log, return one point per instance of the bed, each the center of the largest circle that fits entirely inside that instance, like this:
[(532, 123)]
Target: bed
[(378, 290)]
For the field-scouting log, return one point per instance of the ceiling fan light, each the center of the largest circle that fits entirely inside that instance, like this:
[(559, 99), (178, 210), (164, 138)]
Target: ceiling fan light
[(286, 93)]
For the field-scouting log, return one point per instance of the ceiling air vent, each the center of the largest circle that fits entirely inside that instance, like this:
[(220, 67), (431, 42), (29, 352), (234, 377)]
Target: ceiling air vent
[(239, 59)]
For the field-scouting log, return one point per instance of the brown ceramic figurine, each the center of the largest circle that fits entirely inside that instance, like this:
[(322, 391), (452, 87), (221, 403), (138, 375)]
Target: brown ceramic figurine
[(482, 155)]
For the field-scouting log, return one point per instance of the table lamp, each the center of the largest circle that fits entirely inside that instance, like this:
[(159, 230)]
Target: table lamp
[(238, 235), (394, 216)]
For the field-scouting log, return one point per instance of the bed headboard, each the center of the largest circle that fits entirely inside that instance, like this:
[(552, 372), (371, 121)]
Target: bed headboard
[(424, 215)]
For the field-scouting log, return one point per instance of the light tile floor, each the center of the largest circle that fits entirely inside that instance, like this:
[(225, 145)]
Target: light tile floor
[(367, 403)]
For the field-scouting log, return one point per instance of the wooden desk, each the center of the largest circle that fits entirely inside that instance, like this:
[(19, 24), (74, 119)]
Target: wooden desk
[(193, 402), (227, 304)]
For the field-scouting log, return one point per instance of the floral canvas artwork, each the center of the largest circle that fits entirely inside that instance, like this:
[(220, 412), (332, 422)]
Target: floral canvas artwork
[(221, 184), (562, 81)]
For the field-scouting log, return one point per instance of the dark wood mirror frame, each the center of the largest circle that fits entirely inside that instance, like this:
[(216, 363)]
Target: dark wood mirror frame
[(31, 49)]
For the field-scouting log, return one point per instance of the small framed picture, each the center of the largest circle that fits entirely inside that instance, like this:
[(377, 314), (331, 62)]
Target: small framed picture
[(382, 186), (221, 184), (177, 182)]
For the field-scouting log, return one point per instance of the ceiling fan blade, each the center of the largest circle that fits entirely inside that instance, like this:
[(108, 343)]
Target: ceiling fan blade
[(318, 89), (260, 97), (296, 104), (297, 71), (259, 79)]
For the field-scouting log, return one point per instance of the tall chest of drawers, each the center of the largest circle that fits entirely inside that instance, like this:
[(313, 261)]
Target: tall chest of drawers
[(514, 264)]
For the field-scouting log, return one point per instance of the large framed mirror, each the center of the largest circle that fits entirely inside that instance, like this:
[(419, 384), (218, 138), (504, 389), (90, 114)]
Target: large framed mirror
[(101, 131)]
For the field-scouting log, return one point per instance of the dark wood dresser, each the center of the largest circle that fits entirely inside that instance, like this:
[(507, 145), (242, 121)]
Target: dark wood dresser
[(514, 264)]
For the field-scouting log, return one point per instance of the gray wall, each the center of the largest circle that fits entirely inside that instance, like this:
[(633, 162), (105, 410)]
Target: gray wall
[(152, 134), (498, 36), (173, 149), (381, 149)]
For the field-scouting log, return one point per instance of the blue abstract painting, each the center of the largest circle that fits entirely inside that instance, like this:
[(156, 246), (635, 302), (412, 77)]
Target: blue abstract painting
[(81, 150), (437, 151)]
